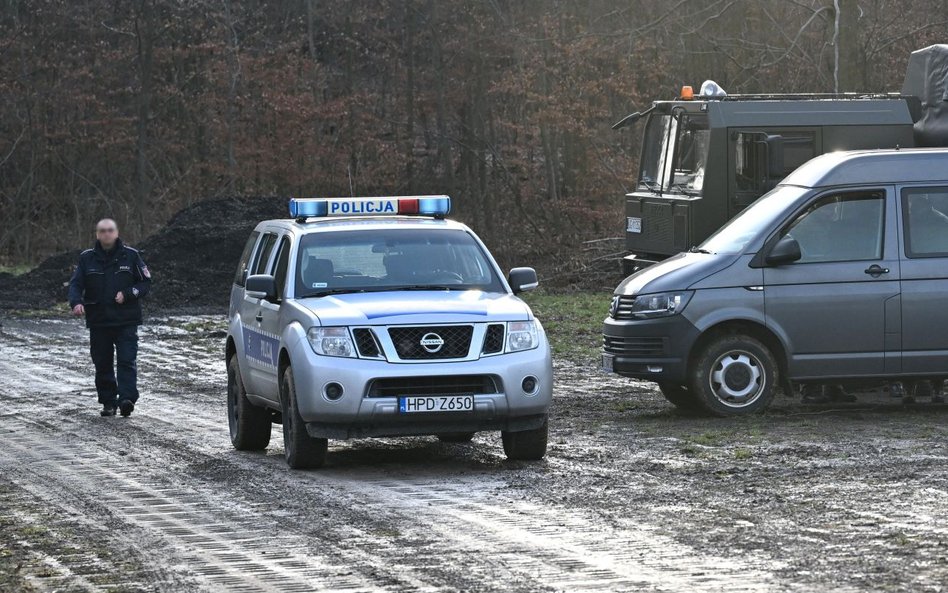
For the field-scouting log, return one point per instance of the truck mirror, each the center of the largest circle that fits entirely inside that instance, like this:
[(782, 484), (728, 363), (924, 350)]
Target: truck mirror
[(261, 286), (775, 166), (786, 251), (522, 279)]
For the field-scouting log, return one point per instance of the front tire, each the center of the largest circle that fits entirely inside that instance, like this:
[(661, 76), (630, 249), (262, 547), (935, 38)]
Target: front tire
[(526, 445), (734, 375), (249, 424), (301, 450), (681, 397)]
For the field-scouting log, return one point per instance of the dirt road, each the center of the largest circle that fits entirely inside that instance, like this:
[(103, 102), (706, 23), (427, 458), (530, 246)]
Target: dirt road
[(632, 497)]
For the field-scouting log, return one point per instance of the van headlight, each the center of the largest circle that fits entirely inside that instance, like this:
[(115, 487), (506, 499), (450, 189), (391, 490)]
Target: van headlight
[(331, 341), (522, 335), (661, 304)]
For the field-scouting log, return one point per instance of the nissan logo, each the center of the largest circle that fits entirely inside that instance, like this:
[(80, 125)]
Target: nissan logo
[(432, 342)]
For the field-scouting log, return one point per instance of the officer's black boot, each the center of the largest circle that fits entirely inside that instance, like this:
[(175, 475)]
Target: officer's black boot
[(125, 406), (107, 410)]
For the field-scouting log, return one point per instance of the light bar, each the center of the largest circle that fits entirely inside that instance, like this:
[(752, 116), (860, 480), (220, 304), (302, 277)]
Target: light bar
[(436, 206)]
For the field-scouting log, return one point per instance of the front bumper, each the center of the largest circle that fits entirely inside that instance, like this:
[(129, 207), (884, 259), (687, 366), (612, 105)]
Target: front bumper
[(652, 349), (366, 410)]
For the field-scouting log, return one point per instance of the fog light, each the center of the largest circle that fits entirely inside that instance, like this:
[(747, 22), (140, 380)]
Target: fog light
[(529, 385), (654, 369), (333, 391)]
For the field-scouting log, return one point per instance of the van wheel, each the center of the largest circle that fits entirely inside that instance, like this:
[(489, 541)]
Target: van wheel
[(734, 375), (526, 445), (680, 396), (249, 424), (302, 451), (456, 437)]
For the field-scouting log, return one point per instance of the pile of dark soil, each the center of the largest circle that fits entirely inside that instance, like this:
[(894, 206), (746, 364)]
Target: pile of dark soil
[(192, 259)]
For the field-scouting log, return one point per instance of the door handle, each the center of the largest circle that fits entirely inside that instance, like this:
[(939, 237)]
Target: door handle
[(259, 316), (875, 270)]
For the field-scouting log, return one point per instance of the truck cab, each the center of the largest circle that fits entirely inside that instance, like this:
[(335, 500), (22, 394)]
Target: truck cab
[(706, 158)]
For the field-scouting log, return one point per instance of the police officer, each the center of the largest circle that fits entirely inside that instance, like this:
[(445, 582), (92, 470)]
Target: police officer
[(107, 287)]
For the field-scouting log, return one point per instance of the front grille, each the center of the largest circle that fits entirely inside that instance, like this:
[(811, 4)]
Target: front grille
[(447, 385), (407, 340), (624, 308), (635, 347), (494, 339), (366, 344)]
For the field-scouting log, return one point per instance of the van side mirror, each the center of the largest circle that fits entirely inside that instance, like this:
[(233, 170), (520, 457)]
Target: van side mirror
[(522, 279), (261, 286), (786, 251)]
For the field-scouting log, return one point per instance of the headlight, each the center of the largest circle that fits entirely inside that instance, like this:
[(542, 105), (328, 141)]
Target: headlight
[(662, 304), (522, 335), (331, 341)]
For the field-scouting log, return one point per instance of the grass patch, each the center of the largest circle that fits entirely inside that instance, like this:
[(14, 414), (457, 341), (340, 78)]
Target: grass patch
[(742, 453), (573, 322), (15, 270)]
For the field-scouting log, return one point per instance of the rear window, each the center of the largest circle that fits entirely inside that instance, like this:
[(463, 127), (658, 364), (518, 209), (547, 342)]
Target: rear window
[(925, 219), (393, 259)]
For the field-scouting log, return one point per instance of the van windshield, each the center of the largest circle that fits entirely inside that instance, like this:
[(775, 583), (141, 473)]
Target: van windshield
[(733, 237)]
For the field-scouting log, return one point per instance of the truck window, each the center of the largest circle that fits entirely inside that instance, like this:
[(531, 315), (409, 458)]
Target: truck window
[(675, 151), (841, 227), (263, 254), (241, 277), (750, 157), (280, 266), (925, 220)]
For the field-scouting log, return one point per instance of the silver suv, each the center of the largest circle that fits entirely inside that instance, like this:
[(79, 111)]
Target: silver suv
[(366, 317)]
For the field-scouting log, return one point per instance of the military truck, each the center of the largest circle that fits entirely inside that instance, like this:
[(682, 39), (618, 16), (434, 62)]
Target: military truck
[(706, 157)]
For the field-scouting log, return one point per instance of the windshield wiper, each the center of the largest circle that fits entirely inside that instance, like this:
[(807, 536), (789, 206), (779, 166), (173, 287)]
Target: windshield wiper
[(652, 186), (429, 287), (698, 250), (332, 291)]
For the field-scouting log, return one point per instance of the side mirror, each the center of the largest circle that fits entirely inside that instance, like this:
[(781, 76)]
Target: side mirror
[(786, 251), (523, 279), (261, 286)]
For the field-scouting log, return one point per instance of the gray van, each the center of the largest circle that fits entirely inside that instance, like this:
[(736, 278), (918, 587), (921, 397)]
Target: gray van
[(839, 273)]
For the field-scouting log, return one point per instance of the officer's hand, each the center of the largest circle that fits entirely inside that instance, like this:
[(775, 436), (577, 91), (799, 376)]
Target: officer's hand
[(119, 298), (79, 310)]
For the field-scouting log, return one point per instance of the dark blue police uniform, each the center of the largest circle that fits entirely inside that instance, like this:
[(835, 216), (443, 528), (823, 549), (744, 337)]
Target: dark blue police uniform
[(113, 327)]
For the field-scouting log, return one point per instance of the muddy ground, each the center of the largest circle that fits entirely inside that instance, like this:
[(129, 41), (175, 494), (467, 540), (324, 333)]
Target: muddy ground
[(631, 497)]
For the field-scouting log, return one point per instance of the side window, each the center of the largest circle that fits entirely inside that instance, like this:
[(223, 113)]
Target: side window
[(241, 277), (282, 263), (925, 220), (751, 156), (263, 254), (841, 227)]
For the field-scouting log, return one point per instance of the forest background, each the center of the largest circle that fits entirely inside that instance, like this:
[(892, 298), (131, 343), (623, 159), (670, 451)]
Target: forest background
[(136, 109)]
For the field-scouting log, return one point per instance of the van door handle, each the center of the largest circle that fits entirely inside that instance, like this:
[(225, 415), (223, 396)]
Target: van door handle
[(259, 316), (876, 270)]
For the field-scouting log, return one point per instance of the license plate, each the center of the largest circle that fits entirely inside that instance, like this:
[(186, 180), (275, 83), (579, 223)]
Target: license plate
[(607, 362), (634, 224), (436, 404)]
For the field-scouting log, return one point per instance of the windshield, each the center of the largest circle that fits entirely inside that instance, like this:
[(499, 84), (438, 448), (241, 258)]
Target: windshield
[(734, 236), (675, 152), (392, 259)]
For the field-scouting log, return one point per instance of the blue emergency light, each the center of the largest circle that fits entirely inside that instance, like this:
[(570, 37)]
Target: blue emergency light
[(436, 206)]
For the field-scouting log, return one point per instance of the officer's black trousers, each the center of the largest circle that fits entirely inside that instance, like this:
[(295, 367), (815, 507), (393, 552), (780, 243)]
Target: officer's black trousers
[(108, 344)]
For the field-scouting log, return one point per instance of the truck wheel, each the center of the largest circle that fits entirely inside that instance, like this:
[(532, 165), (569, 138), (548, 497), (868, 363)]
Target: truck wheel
[(734, 375), (526, 445), (680, 396), (302, 451), (249, 424), (456, 437)]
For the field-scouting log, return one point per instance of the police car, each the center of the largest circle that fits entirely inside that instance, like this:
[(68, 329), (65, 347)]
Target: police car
[(367, 317)]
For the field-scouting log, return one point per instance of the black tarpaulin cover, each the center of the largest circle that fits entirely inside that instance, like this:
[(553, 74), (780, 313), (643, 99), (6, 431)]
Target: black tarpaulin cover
[(927, 78)]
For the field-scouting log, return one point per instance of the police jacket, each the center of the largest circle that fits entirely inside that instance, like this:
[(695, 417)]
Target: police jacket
[(100, 275)]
